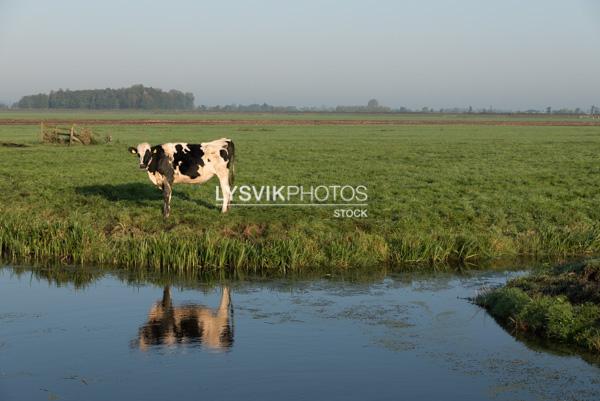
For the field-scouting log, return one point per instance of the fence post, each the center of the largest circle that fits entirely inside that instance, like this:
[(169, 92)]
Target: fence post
[(71, 134)]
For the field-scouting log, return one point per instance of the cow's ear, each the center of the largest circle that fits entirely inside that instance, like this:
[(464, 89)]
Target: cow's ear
[(133, 150)]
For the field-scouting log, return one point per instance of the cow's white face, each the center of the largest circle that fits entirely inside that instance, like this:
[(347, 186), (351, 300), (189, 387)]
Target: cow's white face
[(144, 152)]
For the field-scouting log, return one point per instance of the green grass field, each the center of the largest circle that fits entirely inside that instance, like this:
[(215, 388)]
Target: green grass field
[(438, 195)]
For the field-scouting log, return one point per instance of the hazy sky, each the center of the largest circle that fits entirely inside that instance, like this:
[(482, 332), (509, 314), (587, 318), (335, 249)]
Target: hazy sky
[(508, 54)]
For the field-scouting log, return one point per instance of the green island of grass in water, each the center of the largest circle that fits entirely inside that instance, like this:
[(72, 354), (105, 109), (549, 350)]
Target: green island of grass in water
[(561, 305)]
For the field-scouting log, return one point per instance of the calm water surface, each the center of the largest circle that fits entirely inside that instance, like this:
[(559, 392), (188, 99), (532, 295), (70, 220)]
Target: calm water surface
[(398, 337)]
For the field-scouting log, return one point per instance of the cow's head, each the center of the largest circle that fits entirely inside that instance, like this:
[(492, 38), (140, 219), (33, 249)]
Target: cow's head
[(144, 152)]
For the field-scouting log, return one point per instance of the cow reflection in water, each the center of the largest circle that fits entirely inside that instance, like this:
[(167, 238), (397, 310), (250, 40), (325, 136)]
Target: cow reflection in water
[(171, 325)]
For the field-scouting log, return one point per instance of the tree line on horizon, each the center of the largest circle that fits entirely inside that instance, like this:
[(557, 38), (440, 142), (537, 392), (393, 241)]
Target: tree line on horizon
[(148, 98), (134, 97), (373, 106)]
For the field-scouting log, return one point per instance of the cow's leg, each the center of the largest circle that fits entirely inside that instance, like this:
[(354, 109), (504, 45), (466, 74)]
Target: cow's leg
[(225, 189), (225, 301), (166, 199), (166, 299)]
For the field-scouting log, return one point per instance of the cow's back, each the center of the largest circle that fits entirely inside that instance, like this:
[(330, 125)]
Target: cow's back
[(196, 163)]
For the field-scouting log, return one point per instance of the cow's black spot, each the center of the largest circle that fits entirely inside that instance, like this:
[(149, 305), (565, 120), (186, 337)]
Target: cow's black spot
[(160, 163), (156, 152), (230, 153), (189, 163), (224, 154), (146, 158)]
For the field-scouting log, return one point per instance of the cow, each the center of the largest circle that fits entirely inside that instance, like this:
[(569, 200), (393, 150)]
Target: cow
[(171, 325), (173, 163)]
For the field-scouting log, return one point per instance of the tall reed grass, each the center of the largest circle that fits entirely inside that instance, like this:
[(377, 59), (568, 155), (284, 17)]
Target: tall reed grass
[(24, 239)]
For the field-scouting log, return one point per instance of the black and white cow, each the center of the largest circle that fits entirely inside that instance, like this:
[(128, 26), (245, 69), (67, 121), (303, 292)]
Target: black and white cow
[(173, 163)]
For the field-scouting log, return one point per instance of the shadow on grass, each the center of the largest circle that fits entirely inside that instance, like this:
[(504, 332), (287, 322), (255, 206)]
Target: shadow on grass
[(13, 145), (134, 192)]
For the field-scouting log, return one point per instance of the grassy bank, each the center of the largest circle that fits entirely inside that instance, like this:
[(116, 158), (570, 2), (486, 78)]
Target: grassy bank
[(562, 305), (436, 195)]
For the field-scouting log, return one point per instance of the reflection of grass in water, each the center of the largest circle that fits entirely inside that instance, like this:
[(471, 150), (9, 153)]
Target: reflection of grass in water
[(438, 195), (82, 276), (562, 305)]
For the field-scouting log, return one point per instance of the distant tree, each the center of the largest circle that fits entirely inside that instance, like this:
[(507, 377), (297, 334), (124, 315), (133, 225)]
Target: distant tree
[(39, 101), (548, 110), (134, 97), (470, 110), (363, 109), (373, 104), (564, 110)]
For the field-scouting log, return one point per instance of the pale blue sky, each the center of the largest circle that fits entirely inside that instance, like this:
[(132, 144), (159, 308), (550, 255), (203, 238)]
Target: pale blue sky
[(508, 54)]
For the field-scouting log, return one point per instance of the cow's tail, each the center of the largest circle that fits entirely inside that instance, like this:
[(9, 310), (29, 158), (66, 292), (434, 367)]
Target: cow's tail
[(231, 151)]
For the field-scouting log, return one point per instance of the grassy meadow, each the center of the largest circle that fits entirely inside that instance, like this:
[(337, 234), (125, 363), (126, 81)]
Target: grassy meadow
[(438, 195)]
